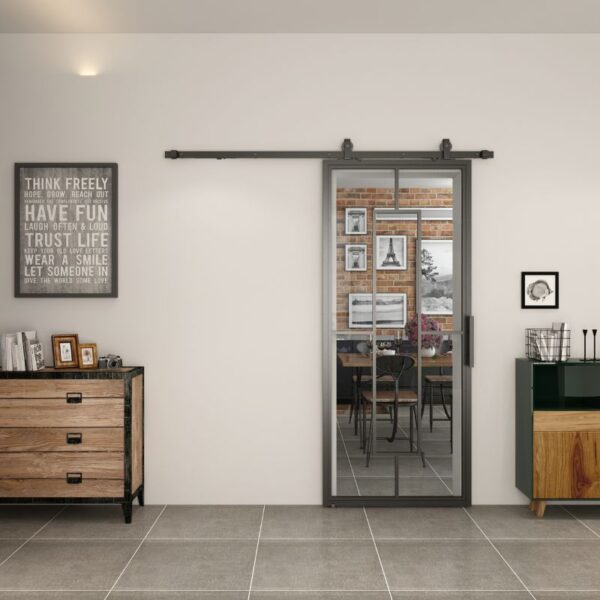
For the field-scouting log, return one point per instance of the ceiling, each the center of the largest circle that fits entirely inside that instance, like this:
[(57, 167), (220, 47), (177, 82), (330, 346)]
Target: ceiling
[(299, 16)]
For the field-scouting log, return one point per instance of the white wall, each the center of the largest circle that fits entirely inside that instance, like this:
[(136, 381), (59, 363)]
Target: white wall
[(220, 262)]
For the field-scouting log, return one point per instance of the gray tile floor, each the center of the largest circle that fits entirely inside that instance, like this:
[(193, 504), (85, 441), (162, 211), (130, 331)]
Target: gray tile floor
[(355, 478), (298, 552)]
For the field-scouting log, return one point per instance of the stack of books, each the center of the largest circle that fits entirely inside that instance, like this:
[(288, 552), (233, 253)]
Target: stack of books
[(21, 351)]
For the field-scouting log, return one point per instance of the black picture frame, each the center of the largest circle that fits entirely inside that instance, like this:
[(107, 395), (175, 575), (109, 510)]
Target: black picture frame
[(525, 274), (114, 224)]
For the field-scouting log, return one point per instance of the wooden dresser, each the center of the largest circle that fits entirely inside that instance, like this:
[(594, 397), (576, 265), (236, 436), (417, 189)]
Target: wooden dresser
[(558, 431), (71, 435)]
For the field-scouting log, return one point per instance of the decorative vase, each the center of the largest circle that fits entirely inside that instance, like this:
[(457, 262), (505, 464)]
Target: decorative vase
[(428, 352)]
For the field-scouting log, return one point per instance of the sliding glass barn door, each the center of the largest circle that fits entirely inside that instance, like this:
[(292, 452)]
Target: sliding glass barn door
[(396, 301)]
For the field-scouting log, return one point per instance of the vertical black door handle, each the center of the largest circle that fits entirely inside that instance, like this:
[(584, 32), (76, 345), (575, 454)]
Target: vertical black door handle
[(470, 341)]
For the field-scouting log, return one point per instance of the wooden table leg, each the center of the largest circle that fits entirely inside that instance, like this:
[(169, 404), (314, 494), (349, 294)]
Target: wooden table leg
[(538, 507)]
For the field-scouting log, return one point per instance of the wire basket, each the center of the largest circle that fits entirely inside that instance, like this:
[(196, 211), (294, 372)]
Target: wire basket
[(548, 345)]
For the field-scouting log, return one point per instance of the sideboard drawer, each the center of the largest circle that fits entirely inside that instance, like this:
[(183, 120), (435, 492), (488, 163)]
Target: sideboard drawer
[(549, 420), (56, 465), (59, 388), (49, 412), (62, 439), (59, 488)]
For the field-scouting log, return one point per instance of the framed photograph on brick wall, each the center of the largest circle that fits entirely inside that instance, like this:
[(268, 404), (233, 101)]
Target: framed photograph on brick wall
[(356, 221), (391, 253), (356, 257), (436, 277), (390, 310), (66, 238)]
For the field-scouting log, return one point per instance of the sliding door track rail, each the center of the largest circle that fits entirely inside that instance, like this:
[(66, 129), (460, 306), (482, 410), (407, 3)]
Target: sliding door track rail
[(346, 152)]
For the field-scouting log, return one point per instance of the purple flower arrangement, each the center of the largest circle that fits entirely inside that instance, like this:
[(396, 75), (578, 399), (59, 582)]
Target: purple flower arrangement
[(427, 324)]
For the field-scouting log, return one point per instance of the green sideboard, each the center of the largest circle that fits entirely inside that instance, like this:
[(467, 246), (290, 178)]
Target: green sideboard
[(557, 431)]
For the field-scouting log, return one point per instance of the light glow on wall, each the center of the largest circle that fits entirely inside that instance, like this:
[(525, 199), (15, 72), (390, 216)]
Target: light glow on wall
[(87, 71)]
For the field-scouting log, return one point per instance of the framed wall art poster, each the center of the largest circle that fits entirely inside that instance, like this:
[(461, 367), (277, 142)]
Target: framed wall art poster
[(356, 257), (66, 237), (356, 221), (539, 289), (390, 310), (436, 277)]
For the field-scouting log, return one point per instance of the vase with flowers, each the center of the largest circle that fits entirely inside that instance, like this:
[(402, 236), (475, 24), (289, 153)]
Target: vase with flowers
[(429, 341)]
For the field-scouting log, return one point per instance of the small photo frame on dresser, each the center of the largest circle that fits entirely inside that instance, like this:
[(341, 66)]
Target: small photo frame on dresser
[(65, 348), (88, 356)]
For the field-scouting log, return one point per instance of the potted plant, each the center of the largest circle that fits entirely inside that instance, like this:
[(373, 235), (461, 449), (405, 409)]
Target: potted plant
[(429, 341)]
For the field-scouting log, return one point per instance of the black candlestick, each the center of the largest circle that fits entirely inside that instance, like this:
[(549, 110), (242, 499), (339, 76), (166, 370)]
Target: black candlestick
[(594, 331), (584, 345)]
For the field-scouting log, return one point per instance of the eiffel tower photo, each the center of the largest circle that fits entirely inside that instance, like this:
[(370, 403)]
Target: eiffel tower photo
[(391, 260), (391, 252)]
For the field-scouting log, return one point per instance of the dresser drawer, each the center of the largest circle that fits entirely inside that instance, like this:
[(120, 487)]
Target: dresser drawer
[(59, 388), (59, 488), (62, 439), (51, 412), (56, 465), (550, 420)]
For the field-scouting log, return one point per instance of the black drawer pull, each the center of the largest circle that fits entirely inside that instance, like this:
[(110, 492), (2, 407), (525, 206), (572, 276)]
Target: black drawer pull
[(74, 478), (74, 438), (74, 397)]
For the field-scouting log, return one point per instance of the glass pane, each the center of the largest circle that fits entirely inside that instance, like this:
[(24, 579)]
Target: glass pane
[(436, 197), (398, 433), (357, 192)]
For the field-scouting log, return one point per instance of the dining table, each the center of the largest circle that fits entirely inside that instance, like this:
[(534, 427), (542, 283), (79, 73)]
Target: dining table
[(356, 360)]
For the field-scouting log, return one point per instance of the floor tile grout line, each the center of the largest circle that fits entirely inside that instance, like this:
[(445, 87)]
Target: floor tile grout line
[(387, 585), (439, 476), (114, 585), (30, 538), (262, 518), (392, 454), (580, 521), (304, 591), (349, 461), (310, 539), (391, 476), (499, 553), (407, 455), (430, 465)]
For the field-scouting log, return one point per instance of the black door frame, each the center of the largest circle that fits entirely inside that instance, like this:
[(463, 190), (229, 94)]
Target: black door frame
[(464, 166)]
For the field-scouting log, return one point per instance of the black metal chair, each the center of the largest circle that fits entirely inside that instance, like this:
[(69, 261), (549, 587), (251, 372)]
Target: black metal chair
[(390, 370), (358, 378), (443, 384)]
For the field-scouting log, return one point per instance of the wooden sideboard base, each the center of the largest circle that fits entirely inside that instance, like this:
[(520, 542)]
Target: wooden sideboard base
[(538, 507), (557, 431)]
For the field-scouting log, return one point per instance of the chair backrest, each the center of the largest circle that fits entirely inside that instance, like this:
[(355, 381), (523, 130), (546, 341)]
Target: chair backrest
[(394, 365)]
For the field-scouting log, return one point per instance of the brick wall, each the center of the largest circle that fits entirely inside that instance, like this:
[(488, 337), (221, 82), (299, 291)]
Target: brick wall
[(387, 281)]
